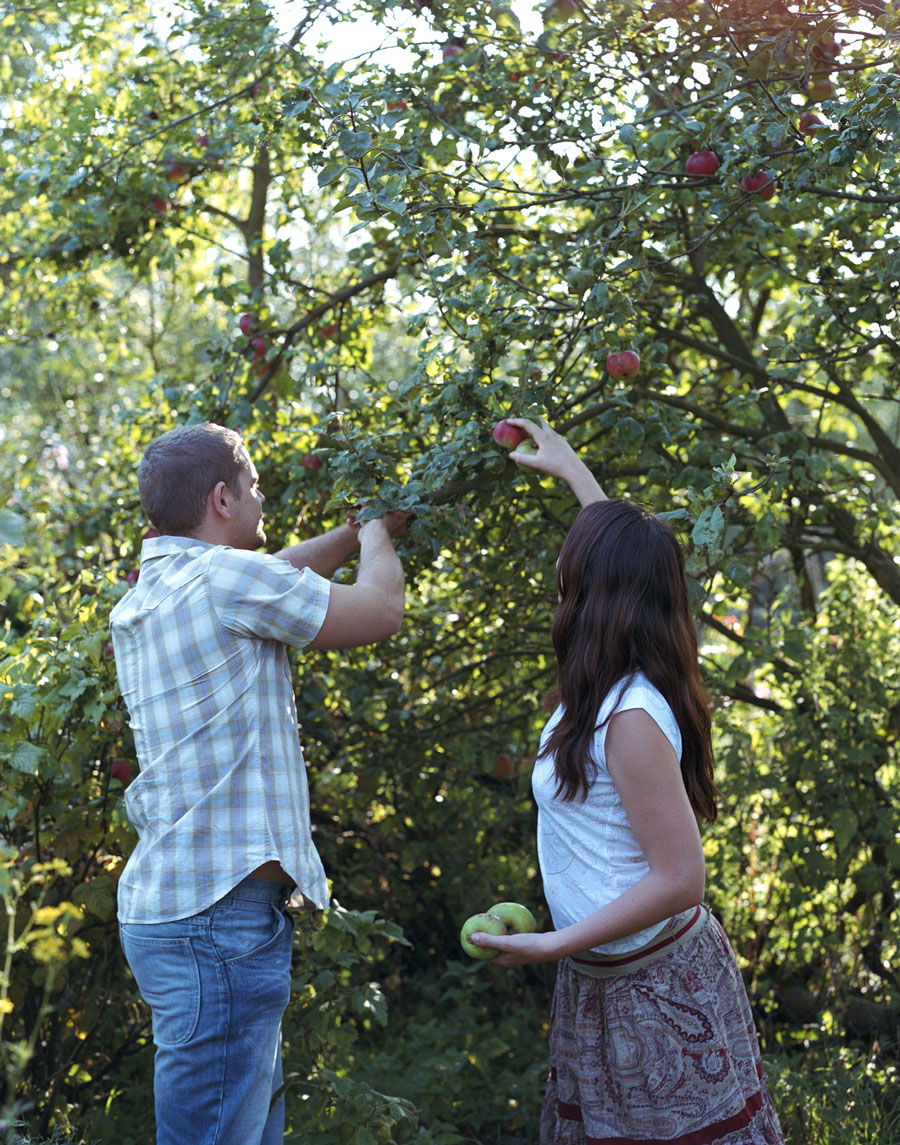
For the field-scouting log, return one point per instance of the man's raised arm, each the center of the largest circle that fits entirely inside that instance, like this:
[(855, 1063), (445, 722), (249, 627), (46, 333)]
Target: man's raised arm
[(371, 609)]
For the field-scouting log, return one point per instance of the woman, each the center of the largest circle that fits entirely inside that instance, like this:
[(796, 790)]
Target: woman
[(651, 1037)]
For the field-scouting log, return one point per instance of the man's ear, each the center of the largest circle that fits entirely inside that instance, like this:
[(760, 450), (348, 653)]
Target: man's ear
[(219, 502)]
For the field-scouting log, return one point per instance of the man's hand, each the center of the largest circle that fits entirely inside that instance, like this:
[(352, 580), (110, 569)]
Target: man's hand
[(396, 523), (519, 949)]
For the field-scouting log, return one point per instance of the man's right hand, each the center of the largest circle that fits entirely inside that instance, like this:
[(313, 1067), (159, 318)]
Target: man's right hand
[(395, 523)]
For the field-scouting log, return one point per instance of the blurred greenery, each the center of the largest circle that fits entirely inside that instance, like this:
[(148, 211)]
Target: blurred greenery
[(429, 241)]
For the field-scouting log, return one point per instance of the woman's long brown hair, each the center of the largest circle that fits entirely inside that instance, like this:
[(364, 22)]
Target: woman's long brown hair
[(623, 609)]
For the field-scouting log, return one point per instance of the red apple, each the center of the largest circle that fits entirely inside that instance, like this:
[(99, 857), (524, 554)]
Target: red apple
[(503, 766), (176, 172), (762, 184), (246, 324), (133, 576), (328, 330), (203, 140), (159, 205), (121, 769), (108, 653), (557, 11), (828, 49), (508, 435), (312, 461), (452, 48), (623, 364), (260, 346), (702, 164), (810, 123)]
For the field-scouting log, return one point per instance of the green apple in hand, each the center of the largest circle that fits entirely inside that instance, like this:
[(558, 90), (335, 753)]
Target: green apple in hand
[(488, 923), (516, 918)]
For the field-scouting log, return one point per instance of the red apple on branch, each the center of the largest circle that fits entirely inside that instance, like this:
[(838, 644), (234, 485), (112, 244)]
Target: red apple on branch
[(558, 11), (312, 461), (508, 435), (623, 364), (503, 767), (260, 346), (246, 324), (121, 769), (762, 184), (702, 164), (810, 123)]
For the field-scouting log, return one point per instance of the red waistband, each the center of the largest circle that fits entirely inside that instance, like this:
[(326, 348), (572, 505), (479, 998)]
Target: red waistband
[(644, 951)]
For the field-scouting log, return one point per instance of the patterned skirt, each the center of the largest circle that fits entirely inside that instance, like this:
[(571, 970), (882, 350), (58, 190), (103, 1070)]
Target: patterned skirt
[(667, 1055)]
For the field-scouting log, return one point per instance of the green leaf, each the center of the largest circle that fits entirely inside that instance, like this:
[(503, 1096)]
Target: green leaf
[(12, 528), (708, 530), (845, 824), (355, 144), (27, 757), (330, 172)]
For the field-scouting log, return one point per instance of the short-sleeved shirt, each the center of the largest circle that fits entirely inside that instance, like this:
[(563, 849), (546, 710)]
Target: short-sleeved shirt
[(587, 851), (200, 648)]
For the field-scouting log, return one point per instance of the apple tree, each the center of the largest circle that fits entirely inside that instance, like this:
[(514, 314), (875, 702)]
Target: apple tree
[(672, 229)]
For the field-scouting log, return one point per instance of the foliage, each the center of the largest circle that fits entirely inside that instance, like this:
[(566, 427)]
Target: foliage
[(430, 239)]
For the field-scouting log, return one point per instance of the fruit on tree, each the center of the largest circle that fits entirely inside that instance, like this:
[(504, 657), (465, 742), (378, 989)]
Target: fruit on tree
[(820, 88), (489, 924), (260, 346), (810, 123), (312, 461), (827, 50), (558, 11), (702, 164), (246, 324), (328, 330), (762, 184), (452, 48), (516, 918), (121, 769), (623, 364), (508, 435), (503, 766)]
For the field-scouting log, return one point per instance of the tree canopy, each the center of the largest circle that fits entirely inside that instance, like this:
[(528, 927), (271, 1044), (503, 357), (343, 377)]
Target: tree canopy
[(364, 264)]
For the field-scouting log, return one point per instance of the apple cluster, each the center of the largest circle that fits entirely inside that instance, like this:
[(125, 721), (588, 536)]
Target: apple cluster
[(502, 918)]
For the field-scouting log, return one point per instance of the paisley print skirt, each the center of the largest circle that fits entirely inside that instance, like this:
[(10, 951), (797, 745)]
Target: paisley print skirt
[(667, 1055)]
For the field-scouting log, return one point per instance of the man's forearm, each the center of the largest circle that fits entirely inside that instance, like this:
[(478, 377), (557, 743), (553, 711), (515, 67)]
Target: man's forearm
[(324, 554), (379, 565)]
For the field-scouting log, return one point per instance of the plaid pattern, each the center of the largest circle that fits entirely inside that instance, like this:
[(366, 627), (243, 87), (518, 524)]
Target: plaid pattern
[(200, 653)]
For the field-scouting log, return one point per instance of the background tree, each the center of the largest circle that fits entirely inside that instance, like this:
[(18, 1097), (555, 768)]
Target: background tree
[(363, 265)]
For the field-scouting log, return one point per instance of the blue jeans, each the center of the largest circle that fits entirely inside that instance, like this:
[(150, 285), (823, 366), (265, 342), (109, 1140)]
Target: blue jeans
[(217, 985)]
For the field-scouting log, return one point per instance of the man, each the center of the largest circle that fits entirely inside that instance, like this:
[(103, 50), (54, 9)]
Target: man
[(221, 804)]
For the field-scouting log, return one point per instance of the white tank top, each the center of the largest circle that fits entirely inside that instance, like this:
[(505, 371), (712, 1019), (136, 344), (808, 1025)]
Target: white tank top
[(587, 851)]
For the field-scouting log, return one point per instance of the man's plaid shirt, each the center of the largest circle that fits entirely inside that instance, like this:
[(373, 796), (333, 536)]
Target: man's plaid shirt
[(200, 653)]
